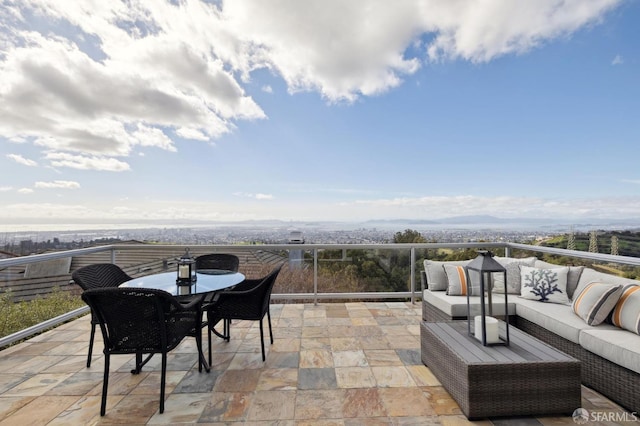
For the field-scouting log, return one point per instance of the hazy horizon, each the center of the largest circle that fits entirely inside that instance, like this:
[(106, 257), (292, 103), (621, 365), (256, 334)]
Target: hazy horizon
[(446, 223)]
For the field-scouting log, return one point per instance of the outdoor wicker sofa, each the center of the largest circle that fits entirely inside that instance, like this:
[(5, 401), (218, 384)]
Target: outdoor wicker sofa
[(610, 355)]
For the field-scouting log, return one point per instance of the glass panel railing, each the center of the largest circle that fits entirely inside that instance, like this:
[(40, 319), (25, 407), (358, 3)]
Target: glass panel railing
[(313, 272)]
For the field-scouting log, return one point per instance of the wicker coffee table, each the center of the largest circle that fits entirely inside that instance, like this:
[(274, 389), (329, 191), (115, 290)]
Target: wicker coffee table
[(526, 378)]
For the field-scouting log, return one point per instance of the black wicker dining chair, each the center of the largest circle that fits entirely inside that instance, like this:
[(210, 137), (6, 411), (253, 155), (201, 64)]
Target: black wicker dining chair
[(98, 275), (249, 300), (142, 322), (218, 261), (223, 261)]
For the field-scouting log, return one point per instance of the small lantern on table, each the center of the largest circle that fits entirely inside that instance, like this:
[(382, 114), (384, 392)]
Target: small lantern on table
[(486, 327), (186, 273)]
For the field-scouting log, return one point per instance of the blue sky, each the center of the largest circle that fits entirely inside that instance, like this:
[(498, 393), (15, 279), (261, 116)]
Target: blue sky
[(318, 110)]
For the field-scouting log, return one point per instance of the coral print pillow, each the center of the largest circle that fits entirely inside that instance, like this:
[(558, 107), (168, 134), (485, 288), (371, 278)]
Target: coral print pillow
[(544, 285)]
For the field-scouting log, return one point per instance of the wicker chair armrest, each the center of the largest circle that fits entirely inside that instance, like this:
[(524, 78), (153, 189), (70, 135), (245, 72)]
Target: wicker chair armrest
[(225, 296), (232, 297), (245, 285), (187, 304)]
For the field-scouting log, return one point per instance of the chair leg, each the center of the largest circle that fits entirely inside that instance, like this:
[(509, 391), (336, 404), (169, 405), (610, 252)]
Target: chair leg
[(93, 333), (262, 341), (225, 333), (270, 331), (105, 385), (209, 334), (163, 375), (199, 346)]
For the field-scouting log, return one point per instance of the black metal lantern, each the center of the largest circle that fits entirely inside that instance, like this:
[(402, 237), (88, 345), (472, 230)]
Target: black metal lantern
[(186, 273), (487, 327)]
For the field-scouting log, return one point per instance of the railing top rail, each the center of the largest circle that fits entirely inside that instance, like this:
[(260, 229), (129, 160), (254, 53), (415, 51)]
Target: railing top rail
[(22, 260), (322, 246), (34, 258), (601, 257)]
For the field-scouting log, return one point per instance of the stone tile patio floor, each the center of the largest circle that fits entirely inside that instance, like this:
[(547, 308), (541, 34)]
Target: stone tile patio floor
[(331, 364)]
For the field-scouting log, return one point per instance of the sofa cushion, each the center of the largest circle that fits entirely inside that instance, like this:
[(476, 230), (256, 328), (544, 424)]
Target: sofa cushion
[(512, 265), (575, 272), (590, 275), (456, 306), (555, 317), (626, 313), (544, 285), (436, 277), (617, 345), (596, 301)]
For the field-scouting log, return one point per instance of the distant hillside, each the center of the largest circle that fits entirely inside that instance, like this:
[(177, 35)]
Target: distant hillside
[(628, 242)]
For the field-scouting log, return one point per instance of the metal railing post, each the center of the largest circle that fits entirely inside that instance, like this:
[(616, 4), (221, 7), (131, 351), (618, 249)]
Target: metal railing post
[(413, 275), (315, 276)]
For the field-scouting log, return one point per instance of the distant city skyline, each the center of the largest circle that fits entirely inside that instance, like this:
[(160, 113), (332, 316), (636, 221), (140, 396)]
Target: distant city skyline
[(463, 228), (270, 235), (158, 111)]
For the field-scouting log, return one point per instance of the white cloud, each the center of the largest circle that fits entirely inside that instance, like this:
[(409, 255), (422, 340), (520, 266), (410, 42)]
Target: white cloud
[(339, 49), (21, 160), (618, 60), (126, 78), (482, 31), (38, 210), (257, 196), (190, 133), (132, 73), (65, 184), (505, 206), (82, 162), (150, 136), (6, 188), (267, 89), (346, 49), (25, 190)]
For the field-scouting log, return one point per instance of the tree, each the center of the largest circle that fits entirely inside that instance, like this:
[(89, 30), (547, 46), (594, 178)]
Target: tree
[(408, 236)]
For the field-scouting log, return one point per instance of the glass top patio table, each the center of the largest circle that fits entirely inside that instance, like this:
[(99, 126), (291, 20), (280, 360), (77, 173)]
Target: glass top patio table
[(208, 280)]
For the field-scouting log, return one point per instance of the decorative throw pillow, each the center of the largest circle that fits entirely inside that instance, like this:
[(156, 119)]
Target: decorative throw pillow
[(572, 279), (512, 266), (474, 278), (626, 314), (596, 301), (436, 277), (544, 285), (458, 284)]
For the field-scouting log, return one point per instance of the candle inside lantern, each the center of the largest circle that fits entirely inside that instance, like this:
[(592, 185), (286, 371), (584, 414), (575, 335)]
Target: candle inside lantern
[(491, 329), (183, 271)]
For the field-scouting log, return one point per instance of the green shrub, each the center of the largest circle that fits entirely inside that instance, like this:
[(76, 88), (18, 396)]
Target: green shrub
[(18, 316)]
